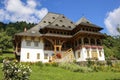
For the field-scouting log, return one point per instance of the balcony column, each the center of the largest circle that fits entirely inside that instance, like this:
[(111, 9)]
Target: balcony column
[(89, 41), (82, 41), (95, 42)]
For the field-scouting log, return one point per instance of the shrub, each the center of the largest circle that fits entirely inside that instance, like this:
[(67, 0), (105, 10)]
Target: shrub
[(47, 64), (90, 63), (39, 64), (1, 59), (74, 67), (109, 63), (115, 67), (54, 64), (15, 71)]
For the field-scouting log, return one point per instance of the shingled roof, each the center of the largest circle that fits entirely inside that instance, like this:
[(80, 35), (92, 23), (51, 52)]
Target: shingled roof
[(56, 21), (86, 22)]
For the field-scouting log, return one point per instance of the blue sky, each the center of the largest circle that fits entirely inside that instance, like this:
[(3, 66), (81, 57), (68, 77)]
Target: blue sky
[(105, 13)]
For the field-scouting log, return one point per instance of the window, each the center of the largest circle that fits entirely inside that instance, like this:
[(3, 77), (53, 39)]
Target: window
[(80, 41), (45, 56), (63, 17), (56, 24), (28, 55), (44, 21), (63, 25), (38, 55), (78, 54), (53, 17), (71, 22), (49, 22), (28, 43), (69, 26), (61, 21), (36, 43)]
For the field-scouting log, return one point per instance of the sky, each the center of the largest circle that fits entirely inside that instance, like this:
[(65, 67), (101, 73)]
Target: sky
[(104, 13)]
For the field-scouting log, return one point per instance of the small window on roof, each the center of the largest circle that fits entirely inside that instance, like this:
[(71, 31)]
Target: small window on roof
[(56, 24), (53, 17), (63, 17), (44, 21), (61, 21), (69, 26), (87, 22), (63, 25), (71, 22), (49, 22)]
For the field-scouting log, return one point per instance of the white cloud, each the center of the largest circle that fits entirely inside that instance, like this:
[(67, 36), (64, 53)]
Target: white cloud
[(112, 21), (16, 10)]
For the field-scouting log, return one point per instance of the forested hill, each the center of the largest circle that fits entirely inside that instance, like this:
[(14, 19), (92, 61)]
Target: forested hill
[(7, 31)]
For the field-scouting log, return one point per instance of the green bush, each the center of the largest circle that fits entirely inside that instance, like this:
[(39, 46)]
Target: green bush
[(15, 71), (90, 63), (74, 67), (47, 64), (39, 64), (54, 64), (1, 59), (115, 67)]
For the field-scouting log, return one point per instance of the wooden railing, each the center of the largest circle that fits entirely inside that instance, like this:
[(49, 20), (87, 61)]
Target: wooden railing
[(67, 56)]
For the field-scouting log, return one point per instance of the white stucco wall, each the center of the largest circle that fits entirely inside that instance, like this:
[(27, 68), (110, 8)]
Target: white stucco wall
[(50, 54), (83, 54), (32, 50)]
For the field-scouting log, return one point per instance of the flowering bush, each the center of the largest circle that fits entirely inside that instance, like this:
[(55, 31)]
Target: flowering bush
[(58, 55), (15, 71)]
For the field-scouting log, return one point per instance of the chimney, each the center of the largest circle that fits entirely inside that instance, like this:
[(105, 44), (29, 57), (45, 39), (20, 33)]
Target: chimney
[(25, 29)]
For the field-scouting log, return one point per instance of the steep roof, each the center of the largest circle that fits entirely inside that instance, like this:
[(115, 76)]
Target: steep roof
[(86, 22), (53, 20), (56, 21)]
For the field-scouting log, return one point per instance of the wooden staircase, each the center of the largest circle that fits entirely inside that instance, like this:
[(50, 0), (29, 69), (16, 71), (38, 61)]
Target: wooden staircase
[(67, 56)]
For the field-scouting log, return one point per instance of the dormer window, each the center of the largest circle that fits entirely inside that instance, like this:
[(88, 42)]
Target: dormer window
[(69, 26), (56, 25), (63, 25), (49, 22), (61, 21), (44, 21), (71, 22), (53, 17), (88, 22), (63, 17)]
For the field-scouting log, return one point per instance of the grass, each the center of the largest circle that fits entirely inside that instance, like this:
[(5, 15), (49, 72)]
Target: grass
[(56, 73), (11, 55)]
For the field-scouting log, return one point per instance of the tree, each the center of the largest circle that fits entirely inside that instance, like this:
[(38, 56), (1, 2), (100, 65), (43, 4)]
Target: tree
[(5, 41)]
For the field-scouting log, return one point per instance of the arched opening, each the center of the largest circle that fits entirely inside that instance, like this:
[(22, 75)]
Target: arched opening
[(86, 41), (48, 45), (98, 42), (92, 41), (80, 41), (66, 46)]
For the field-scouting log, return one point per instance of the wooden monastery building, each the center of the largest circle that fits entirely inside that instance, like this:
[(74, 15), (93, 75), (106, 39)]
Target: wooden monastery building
[(56, 38)]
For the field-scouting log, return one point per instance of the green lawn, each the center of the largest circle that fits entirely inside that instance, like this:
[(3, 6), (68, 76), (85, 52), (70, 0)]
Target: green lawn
[(56, 73)]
